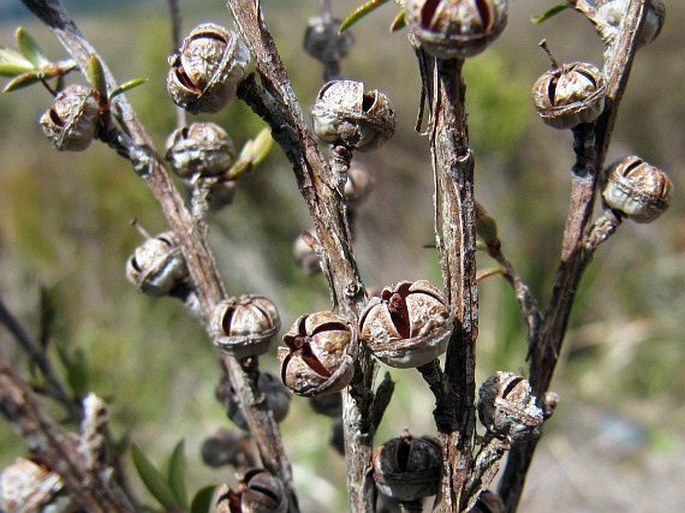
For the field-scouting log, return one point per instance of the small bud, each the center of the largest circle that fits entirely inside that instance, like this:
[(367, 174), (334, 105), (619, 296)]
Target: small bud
[(345, 114), (272, 390), (245, 326), (449, 29), (71, 123), (157, 266), (221, 194), (407, 468), (318, 358), (408, 326), (358, 185), (508, 409), (226, 447), (206, 71), (305, 254), (637, 189), (323, 41), (202, 149), (327, 404)]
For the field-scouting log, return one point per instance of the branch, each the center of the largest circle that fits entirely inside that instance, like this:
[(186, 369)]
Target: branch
[(275, 100), (55, 386), (78, 461), (575, 257), (455, 224), (198, 257)]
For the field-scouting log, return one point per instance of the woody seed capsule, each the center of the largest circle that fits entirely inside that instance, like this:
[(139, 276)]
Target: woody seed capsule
[(571, 94), (200, 149), (637, 189), (347, 115), (449, 29), (157, 266), (71, 123), (245, 326), (206, 71), (508, 409), (408, 326), (319, 356)]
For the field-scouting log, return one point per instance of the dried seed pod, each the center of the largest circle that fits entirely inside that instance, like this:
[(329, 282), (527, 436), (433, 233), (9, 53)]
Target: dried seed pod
[(606, 16), (345, 114), (274, 393), (71, 123), (245, 326), (206, 71), (157, 266), (323, 41), (407, 468), (449, 29), (226, 447), (488, 502), (567, 95), (637, 189), (508, 409), (200, 149), (327, 404), (408, 326), (358, 185), (28, 487), (258, 492), (318, 359), (305, 254)]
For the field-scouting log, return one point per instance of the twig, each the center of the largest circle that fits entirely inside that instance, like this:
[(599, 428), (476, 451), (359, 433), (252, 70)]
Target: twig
[(545, 349), (90, 485), (55, 386), (275, 100), (455, 225), (198, 257)]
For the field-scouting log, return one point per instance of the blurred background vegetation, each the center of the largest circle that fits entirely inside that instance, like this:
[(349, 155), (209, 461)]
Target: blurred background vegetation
[(65, 226)]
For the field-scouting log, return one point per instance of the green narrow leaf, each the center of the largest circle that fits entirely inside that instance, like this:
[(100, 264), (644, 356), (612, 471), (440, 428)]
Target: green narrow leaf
[(96, 75), (9, 55), (78, 375), (261, 147), (176, 474), (549, 13), (360, 12), (127, 86), (23, 80), (399, 22), (29, 48), (203, 500), (152, 478), (486, 227)]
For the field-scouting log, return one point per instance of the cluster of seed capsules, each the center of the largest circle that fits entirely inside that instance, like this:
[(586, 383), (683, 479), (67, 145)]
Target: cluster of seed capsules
[(409, 325)]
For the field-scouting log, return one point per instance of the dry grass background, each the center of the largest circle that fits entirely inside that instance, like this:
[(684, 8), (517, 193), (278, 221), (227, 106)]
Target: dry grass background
[(616, 442)]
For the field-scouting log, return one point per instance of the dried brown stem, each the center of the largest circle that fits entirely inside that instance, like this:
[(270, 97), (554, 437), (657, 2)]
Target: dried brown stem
[(455, 224), (275, 100), (199, 259), (55, 387), (77, 460), (545, 349)]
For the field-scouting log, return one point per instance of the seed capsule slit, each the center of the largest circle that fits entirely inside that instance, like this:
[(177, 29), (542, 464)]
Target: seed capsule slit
[(55, 118), (403, 450), (589, 76), (484, 12), (329, 326), (368, 101), (631, 167), (428, 12), (226, 321), (510, 386), (551, 90)]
